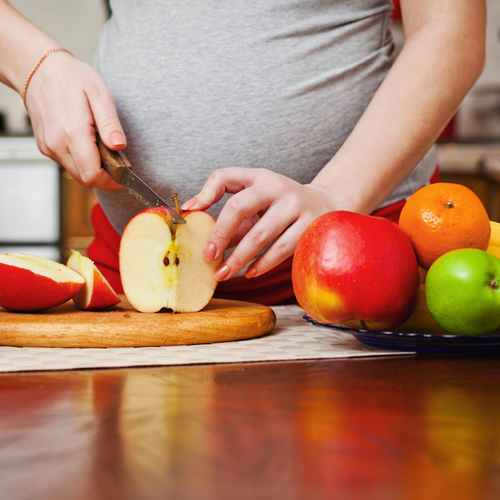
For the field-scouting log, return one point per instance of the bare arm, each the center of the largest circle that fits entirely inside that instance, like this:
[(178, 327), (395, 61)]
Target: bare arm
[(442, 57), (66, 99)]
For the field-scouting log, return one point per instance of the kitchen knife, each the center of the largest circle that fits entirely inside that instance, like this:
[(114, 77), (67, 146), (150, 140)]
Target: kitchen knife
[(118, 166)]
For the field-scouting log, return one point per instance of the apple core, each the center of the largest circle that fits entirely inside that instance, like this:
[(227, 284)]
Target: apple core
[(163, 269)]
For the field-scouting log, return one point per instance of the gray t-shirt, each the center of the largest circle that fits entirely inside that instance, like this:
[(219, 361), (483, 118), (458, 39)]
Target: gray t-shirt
[(276, 84)]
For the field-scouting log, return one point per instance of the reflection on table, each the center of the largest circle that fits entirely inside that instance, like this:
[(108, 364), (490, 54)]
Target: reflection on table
[(418, 428)]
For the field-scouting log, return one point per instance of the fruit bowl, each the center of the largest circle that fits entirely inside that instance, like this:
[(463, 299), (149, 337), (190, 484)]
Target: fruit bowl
[(421, 342)]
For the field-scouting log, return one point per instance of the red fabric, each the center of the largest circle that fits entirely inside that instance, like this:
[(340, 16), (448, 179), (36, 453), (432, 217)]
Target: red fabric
[(435, 176), (272, 288), (396, 11), (103, 249)]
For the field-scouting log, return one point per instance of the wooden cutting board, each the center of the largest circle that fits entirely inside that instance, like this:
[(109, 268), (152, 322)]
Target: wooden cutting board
[(122, 326)]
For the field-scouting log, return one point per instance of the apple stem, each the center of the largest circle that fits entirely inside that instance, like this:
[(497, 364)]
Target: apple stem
[(493, 284), (177, 208), (176, 202)]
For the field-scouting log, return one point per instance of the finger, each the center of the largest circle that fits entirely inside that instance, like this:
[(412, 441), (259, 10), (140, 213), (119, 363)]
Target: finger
[(221, 181), (280, 250), (241, 206), (72, 148), (261, 234), (245, 226), (103, 108), (86, 161), (102, 105)]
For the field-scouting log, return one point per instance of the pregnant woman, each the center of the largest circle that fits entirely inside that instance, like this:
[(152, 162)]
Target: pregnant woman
[(266, 113)]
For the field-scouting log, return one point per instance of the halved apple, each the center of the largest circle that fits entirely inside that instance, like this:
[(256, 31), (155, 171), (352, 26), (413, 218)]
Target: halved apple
[(31, 283), (164, 269), (97, 293)]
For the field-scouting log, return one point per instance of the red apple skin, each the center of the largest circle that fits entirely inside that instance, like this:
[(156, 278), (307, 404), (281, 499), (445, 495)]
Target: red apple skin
[(23, 290), (356, 270), (96, 291), (102, 296)]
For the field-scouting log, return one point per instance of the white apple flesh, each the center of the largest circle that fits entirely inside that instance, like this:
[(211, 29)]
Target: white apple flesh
[(97, 293), (161, 269), (30, 283)]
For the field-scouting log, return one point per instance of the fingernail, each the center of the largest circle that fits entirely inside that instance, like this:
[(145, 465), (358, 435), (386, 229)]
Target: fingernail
[(222, 273), (189, 204), (117, 139), (251, 272), (209, 254)]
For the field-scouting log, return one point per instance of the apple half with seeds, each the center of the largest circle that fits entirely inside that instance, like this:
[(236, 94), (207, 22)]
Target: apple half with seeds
[(30, 283), (161, 264), (97, 293)]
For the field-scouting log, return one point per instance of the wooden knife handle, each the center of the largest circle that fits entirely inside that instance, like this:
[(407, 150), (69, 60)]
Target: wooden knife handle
[(111, 160)]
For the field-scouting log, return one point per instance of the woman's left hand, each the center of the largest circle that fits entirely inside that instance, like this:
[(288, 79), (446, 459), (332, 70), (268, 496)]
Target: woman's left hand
[(265, 207)]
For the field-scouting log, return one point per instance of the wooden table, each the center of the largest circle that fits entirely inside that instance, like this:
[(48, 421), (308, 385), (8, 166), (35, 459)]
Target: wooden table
[(415, 428)]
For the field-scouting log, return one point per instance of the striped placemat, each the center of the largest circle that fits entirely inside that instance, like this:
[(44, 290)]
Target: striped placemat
[(292, 339)]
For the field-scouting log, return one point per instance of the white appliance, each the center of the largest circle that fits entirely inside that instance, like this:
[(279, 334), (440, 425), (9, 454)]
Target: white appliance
[(29, 199)]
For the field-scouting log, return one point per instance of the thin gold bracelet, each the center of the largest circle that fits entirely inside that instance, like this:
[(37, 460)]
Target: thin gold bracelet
[(37, 65)]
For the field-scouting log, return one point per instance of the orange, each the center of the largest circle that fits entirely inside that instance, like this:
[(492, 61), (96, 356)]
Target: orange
[(442, 217)]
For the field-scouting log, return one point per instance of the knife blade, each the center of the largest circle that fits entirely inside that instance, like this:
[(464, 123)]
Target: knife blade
[(118, 166)]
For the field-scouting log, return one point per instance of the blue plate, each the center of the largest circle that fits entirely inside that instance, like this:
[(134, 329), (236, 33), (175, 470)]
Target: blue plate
[(421, 342)]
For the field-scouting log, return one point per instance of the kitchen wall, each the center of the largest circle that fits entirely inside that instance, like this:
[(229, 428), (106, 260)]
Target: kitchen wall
[(479, 115)]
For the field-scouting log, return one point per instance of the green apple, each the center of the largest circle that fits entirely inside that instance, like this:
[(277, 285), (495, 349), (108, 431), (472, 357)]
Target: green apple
[(462, 291)]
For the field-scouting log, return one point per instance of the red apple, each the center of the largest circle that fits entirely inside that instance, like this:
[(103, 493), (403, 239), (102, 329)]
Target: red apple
[(356, 270), (30, 283), (162, 266), (97, 293)]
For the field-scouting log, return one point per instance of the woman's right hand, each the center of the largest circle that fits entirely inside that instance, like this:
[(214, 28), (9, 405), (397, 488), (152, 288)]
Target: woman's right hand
[(67, 100)]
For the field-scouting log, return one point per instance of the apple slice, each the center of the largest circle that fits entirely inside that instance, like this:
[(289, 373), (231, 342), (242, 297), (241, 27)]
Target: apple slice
[(164, 269), (30, 283), (97, 293)]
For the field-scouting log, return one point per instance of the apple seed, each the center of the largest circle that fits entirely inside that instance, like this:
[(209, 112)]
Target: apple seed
[(166, 261)]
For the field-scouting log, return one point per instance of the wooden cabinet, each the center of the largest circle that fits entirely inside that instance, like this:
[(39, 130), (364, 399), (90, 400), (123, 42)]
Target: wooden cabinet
[(476, 166), (76, 207), (486, 189)]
